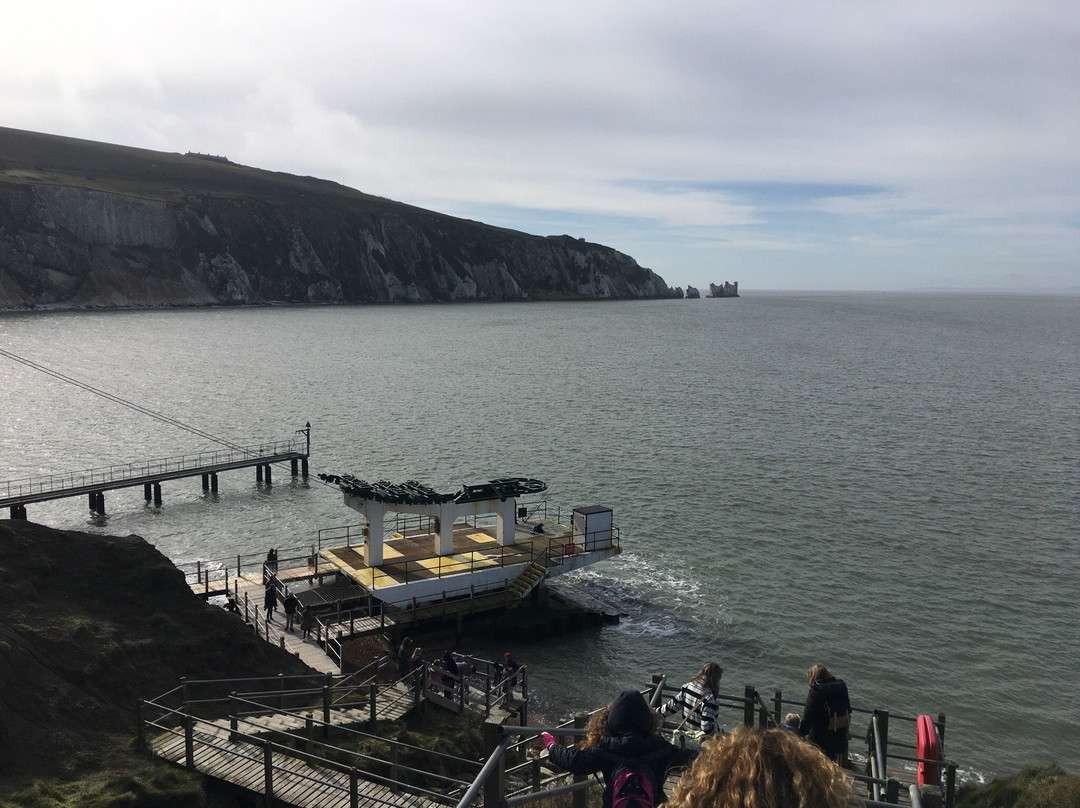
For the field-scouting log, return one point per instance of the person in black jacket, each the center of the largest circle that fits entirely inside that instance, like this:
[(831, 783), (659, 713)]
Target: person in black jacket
[(625, 730), (827, 713)]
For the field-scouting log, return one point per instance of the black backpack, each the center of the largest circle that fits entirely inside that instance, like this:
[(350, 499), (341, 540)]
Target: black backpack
[(633, 783)]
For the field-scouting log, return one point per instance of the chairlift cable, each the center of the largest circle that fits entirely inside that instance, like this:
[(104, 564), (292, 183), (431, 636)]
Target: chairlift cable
[(118, 400)]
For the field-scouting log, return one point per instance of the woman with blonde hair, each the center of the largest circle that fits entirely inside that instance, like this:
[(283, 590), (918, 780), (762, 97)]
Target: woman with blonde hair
[(753, 767), (697, 699)]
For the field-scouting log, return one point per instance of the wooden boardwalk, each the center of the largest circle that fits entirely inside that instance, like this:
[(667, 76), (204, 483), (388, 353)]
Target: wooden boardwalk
[(291, 779)]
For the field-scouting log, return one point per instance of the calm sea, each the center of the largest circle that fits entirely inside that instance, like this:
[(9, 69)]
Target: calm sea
[(887, 484)]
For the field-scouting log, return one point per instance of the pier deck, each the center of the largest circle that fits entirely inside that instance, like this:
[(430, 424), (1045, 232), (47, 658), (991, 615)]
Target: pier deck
[(17, 494)]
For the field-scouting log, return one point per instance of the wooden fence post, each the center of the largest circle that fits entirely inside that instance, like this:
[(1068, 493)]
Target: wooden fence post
[(234, 710), (189, 743), (580, 798), (268, 773), (748, 705), (354, 788), (373, 693), (326, 711), (892, 790), (140, 732), (493, 788)]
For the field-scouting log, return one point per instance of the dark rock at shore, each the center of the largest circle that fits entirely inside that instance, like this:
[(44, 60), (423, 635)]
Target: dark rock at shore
[(85, 224), (92, 624)]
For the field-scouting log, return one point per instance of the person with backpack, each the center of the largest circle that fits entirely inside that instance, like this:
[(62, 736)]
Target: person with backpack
[(827, 713), (622, 743)]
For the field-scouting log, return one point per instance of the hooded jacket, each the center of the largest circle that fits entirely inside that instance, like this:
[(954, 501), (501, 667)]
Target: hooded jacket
[(826, 698), (629, 735)]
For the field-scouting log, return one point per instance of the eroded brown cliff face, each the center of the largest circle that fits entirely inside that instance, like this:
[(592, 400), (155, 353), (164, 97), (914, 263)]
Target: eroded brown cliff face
[(87, 224)]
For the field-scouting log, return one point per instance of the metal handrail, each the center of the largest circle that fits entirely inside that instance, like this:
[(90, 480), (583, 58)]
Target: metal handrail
[(878, 762), (119, 472), (351, 731), (485, 772)]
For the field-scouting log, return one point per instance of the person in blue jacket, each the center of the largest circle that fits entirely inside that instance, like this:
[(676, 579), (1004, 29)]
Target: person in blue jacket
[(625, 730)]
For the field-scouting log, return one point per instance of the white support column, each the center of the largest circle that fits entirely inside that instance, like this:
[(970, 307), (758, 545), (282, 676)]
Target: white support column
[(373, 542), (504, 521), (444, 542)]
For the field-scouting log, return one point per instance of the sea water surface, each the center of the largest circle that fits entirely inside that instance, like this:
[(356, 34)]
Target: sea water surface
[(889, 484)]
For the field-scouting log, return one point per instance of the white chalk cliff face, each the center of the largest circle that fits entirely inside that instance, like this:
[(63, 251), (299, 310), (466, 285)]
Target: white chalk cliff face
[(168, 230)]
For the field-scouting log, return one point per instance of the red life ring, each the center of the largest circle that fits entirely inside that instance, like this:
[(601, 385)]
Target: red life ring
[(928, 748)]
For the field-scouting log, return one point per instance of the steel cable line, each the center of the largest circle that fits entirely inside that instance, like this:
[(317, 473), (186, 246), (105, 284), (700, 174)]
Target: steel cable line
[(118, 400)]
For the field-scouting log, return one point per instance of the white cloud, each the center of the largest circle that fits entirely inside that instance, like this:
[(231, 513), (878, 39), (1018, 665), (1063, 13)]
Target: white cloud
[(963, 117)]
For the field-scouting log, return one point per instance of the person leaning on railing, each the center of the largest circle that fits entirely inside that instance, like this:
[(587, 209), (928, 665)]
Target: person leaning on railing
[(626, 732), (696, 700)]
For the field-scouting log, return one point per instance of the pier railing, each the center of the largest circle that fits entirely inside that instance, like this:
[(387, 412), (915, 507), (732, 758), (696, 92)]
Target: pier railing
[(134, 473), (884, 755), (407, 570), (491, 783)]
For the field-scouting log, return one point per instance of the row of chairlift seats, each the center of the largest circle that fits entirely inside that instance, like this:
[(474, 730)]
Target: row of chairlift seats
[(412, 492)]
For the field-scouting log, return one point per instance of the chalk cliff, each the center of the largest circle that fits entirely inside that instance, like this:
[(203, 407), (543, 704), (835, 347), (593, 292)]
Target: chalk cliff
[(86, 224)]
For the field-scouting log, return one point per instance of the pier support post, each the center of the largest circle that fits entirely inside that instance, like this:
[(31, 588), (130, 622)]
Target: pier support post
[(213, 483), (293, 467), (18, 512), (206, 482), (258, 473), (91, 499), (303, 468), (157, 493), (268, 474), (146, 489)]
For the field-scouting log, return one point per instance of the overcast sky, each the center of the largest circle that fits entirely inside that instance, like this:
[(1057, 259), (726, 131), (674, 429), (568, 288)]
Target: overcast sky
[(802, 145)]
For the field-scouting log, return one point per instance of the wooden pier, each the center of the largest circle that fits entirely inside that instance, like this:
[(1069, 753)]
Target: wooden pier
[(150, 474)]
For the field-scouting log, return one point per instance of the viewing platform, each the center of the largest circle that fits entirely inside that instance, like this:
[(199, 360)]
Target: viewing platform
[(17, 494)]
